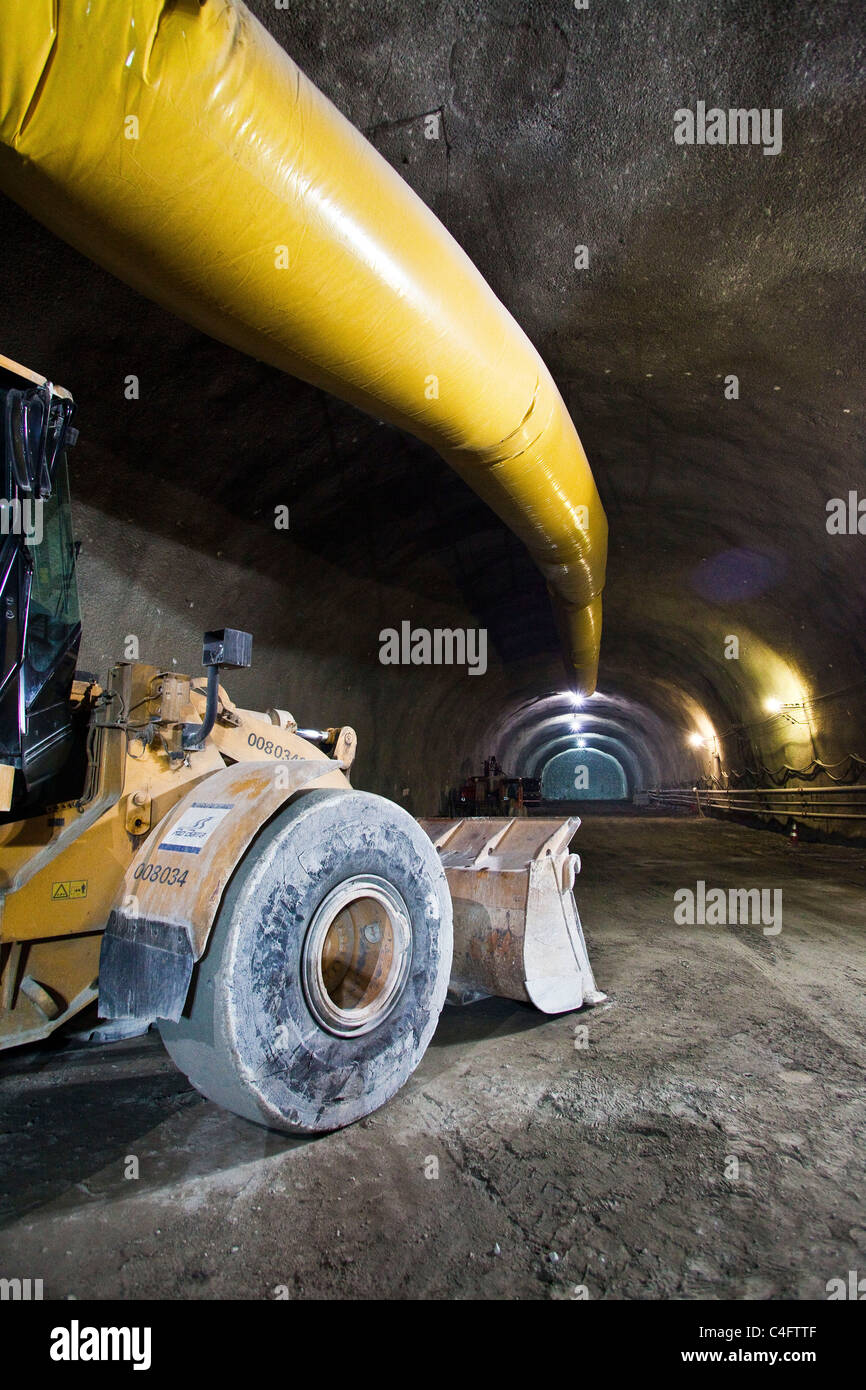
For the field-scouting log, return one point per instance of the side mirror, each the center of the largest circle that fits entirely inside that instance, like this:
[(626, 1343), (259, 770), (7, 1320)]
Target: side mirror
[(227, 646), (36, 427)]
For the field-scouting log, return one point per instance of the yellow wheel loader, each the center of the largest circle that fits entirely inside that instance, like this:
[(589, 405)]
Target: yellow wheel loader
[(211, 869)]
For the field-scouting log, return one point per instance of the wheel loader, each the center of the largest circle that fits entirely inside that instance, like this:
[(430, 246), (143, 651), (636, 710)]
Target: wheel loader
[(211, 869)]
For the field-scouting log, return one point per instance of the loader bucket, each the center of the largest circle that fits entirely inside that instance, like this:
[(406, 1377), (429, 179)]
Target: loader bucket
[(517, 932)]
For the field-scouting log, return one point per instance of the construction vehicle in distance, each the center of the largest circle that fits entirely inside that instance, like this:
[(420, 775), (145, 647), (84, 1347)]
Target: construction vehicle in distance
[(189, 862), (494, 793)]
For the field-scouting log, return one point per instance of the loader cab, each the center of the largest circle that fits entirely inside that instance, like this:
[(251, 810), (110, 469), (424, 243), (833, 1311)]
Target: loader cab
[(40, 625)]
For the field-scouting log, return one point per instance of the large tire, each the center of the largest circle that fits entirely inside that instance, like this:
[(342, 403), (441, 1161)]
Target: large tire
[(326, 969)]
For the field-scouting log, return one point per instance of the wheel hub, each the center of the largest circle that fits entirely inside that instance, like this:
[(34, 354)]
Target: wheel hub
[(356, 955)]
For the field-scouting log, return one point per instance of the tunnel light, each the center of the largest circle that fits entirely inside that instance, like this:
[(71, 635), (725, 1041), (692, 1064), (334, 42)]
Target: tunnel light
[(581, 743), (792, 710), (708, 742), (776, 706)]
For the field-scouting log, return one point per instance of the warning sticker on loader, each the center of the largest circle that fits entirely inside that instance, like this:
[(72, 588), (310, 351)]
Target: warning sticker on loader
[(69, 888), (195, 827)]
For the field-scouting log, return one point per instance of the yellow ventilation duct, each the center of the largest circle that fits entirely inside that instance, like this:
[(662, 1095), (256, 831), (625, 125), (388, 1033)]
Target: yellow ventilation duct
[(177, 144)]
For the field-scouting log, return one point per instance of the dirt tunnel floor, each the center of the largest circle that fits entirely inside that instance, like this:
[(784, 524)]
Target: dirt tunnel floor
[(514, 1164)]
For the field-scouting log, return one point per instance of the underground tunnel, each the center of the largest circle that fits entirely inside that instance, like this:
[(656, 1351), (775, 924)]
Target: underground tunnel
[(633, 672)]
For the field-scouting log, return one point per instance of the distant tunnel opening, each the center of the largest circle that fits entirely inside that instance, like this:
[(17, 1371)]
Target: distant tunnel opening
[(583, 774)]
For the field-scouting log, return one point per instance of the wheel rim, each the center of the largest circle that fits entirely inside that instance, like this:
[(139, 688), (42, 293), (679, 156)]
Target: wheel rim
[(356, 955)]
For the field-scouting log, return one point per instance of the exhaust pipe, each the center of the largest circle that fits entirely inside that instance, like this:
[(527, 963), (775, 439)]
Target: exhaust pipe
[(174, 142)]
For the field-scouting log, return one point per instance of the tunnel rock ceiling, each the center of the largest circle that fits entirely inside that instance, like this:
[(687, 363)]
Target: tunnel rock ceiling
[(555, 131)]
